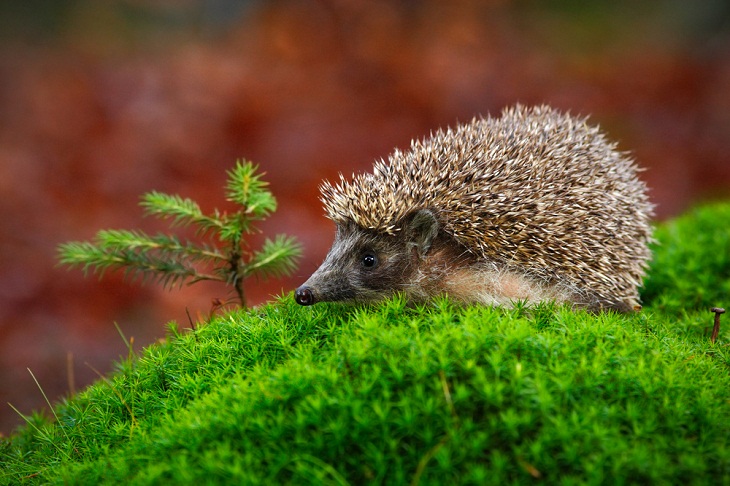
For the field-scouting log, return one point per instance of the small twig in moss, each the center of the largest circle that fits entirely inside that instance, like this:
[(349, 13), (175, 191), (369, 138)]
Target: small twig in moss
[(426, 458), (192, 324), (529, 468), (217, 304), (128, 342), (716, 328), (447, 394), (70, 376)]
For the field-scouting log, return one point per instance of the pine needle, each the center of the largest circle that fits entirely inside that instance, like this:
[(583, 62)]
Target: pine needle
[(170, 261)]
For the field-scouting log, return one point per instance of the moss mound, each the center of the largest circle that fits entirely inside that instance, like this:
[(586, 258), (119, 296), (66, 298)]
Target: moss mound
[(430, 395)]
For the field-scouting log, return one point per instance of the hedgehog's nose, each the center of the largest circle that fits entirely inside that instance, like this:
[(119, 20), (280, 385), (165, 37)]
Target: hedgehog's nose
[(304, 296)]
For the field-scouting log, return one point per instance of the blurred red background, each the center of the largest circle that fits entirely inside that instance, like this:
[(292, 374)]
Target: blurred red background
[(103, 101)]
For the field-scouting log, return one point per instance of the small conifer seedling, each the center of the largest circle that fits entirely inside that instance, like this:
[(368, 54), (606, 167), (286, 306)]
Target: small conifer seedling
[(225, 257)]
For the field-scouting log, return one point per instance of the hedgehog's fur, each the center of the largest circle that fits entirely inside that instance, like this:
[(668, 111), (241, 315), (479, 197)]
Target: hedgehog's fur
[(535, 195)]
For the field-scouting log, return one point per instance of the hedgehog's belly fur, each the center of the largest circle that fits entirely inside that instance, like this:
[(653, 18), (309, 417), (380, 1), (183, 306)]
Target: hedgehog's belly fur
[(486, 284), (448, 270), (503, 288)]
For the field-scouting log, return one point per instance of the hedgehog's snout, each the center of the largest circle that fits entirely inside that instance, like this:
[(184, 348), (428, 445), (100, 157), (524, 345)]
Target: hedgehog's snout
[(304, 295)]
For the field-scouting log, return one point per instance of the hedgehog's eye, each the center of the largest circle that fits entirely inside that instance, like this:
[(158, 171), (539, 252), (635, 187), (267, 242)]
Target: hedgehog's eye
[(369, 260)]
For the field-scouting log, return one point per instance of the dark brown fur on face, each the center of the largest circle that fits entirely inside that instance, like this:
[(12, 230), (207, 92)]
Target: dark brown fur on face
[(366, 266)]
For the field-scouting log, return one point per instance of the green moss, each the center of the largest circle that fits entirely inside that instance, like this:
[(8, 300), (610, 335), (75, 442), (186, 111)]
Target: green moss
[(436, 394), (691, 265)]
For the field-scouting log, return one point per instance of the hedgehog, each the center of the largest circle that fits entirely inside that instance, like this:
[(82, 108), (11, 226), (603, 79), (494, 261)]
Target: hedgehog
[(536, 205)]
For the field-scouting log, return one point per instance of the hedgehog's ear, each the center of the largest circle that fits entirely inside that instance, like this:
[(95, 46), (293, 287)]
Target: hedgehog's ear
[(421, 230)]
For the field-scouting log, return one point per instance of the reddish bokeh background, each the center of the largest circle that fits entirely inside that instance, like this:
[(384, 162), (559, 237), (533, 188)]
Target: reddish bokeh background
[(103, 101)]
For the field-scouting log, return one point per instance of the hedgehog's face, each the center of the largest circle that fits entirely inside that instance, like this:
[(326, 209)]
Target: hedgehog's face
[(365, 266)]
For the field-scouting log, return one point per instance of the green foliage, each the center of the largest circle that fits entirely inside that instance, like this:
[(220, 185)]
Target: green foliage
[(247, 189), (691, 265), (434, 394), (172, 262)]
